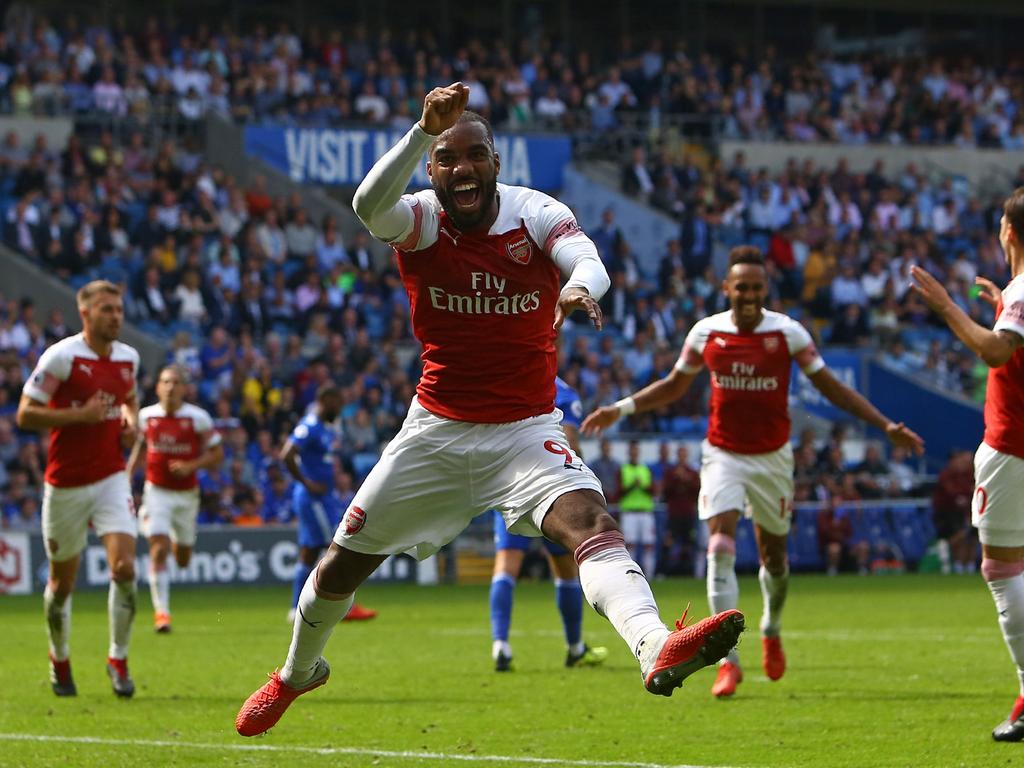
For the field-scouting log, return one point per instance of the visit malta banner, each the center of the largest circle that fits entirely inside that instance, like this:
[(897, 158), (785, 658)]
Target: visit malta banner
[(342, 156)]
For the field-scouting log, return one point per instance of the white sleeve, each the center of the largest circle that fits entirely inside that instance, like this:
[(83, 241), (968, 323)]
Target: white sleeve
[(379, 203), (54, 367), (573, 252), (204, 428), (691, 359), (1012, 317), (802, 349)]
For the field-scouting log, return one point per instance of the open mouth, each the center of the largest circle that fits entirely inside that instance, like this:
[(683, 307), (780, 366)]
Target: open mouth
[(466, 194)]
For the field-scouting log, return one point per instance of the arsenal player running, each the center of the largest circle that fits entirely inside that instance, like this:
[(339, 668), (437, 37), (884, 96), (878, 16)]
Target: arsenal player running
[(999, 461), (176, 439), (83, 391), (481, 262), (747, 461)]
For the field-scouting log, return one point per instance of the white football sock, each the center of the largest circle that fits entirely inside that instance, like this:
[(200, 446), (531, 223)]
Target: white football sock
[(501, 647), (615, 586), (58, 623), (773, 593), (160, 588), (121, 609), (723, 589), (315, 619), (1009, 598)]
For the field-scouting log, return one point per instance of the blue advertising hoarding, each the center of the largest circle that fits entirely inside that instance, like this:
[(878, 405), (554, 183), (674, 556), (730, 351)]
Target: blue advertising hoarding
[(847, 366), (342, 156)]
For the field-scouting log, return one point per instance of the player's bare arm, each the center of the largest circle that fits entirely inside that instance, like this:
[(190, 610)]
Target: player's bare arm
[(653, 396), (290, 457), (35, 416), (995, 348), (856, 404), (211, 458), (135, 458)]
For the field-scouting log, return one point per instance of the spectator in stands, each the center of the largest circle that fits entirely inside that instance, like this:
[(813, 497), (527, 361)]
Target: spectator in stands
[(951, 505), (835, 537), (679, 488), (608, 471), (636, 510)]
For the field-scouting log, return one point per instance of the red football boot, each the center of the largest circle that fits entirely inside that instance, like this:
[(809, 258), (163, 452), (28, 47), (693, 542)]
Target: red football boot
[(60, 677), (264, 708), (690, 648), (729, 676), (359, 613), (772, 657)]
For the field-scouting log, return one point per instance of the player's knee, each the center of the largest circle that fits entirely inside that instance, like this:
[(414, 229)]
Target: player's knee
[(122, 570), (183, 558), (333, 577), (721, 544), (61, 588), (994, 570)]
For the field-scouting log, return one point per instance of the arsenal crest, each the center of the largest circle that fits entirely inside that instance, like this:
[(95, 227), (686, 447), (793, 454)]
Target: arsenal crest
[(354, 521), (520, 250), (771, 343)]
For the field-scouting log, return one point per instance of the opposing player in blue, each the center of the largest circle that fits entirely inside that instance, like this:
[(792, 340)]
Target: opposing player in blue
[(308, 456), (510, 550)]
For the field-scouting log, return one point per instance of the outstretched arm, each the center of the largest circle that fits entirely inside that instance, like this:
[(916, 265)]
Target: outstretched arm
[(378, 200), (853, 402), (653, 396), (995, 348)]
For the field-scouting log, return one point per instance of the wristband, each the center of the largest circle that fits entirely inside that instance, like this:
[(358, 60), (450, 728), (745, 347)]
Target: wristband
[(626, 406)]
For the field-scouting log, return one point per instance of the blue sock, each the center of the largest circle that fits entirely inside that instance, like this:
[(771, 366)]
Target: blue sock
[(302, 572), (569, 596), (502, 588)]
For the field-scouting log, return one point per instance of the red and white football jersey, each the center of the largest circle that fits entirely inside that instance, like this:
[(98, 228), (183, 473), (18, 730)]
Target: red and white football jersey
[(749, 377), (184, 434), (483, 305), (67, 375), (1004, 396)]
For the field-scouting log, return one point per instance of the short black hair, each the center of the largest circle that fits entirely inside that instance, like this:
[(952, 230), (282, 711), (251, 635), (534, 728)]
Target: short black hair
[(469, 116), (746, 254)]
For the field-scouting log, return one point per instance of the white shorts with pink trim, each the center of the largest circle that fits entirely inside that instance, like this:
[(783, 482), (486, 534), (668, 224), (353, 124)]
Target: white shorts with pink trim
[(758, 485), (438, 474), (167, 512), (67, 513), (997, 510)]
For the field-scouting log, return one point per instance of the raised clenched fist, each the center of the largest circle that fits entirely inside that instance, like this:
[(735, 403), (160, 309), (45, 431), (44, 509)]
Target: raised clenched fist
[(442, 107)]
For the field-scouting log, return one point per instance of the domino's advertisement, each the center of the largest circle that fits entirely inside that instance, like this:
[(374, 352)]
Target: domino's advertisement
[(343, 156), (234, 556)]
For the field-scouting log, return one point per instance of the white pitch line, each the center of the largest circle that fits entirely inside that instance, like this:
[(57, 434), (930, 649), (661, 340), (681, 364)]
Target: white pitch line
[(355, 751)]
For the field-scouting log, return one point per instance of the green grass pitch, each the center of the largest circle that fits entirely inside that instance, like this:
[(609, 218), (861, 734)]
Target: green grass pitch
[(883, 671)]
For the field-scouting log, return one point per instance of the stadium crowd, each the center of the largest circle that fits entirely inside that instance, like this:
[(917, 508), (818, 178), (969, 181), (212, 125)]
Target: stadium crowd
[(333, 74), (262, 305)]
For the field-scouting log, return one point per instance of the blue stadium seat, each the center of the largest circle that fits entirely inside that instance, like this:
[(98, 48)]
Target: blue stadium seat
[(362, 463), (912, 528), (804, 550)]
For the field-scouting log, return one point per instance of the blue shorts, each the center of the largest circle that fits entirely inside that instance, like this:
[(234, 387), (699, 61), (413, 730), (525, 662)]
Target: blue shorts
[(505, 540), (319, 517)]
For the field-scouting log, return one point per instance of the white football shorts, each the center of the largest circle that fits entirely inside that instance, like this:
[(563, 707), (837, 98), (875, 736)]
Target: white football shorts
[(638, 528), (67, 512), (167, 512), (438, 474), (759, 485), (997, 510)]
